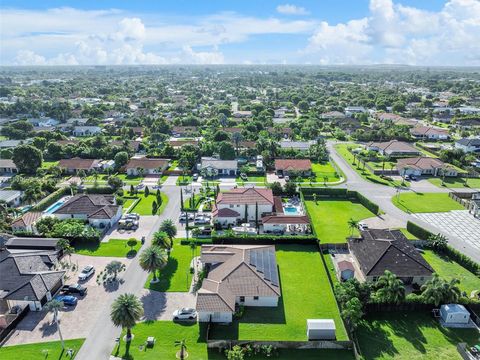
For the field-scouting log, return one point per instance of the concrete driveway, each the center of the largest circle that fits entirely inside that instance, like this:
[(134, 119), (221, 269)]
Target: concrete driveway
[(75, 321), (272, 177), (384, 221), (161, 305), (146, 224)]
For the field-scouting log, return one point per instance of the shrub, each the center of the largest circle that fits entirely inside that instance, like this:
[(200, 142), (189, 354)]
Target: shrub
[(368, 204), (418, 231)]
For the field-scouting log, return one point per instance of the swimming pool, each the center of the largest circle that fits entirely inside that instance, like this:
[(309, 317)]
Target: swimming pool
[(291, 210), (56, 205)]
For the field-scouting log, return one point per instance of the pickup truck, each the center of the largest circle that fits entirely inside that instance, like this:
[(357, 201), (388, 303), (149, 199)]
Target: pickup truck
[(74, 289)]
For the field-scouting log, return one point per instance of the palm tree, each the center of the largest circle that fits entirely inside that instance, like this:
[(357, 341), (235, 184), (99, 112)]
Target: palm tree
[(183, 348), (391, 288), (55, 306), (352, 225), (114, 267), (153, 259), (437, 290), (126, 310), (193, 247), (169, 228), (67, 249)]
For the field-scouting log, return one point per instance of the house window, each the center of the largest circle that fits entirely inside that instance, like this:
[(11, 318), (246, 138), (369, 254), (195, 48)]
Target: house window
[(242, 298), (255, 298), (231, 206)]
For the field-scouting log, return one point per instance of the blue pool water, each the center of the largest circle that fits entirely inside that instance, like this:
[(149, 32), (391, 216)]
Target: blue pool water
[(291, 210), (52, 208)]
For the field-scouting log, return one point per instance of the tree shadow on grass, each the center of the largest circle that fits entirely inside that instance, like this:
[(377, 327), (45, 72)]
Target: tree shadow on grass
[(374, 340), (165, 276)]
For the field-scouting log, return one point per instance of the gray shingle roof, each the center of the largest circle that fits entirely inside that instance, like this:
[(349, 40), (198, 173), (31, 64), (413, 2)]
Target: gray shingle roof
[(94, 206)]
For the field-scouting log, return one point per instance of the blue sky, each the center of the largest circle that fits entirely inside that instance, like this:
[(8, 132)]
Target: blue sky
[(427, 32)]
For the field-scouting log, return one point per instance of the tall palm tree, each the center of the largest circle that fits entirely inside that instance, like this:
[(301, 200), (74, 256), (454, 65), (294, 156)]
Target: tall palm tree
[(127, 309), (352, 225), (55, 306), (67, 249), (183, 348), (391, 288), (437, 290), (153, 259)]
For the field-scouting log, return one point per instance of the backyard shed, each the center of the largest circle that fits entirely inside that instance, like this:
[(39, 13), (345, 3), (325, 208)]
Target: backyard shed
[(321, 329), (454, 314)]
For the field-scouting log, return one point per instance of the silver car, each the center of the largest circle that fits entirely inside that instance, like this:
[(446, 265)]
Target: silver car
[(185, 314)]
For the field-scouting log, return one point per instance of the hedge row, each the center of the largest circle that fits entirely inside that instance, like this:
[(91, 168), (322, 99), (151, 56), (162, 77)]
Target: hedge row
[(340, 193), (50, 199), (198, 241), (264, 239), (99, 190), (453, 254)]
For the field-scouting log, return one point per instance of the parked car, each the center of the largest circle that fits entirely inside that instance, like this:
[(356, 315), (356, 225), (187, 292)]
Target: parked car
[(68, 300), (185, 314), (140, 186), (183, 217), (287, 178), (243, 176), (203, 232), (133, 216), (128, 224), (87, 271), (362, 226), (74, 289), (201, 220), (195, 177), (413, 177), (280, 175)]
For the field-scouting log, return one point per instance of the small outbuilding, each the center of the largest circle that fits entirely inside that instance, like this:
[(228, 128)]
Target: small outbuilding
[(321, 329), (454, 314)]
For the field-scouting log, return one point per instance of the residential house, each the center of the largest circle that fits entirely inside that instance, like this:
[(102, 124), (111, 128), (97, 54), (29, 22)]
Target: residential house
[(242, 114), (285, 167), (177, 144), (132, 145), (350, 110), (333, 115), (101, 211), (86, 130), (283, 223), (7, 166), (284, 132), (27, 222), (394, 148), (468, 145), (12, 198), (146, 166), (74, 165), (419, 166), (231, 206), (215, 167), (396, 119), (238, 275), (9, 144), (184, 131), (378, 250), (430, 133), (296, 145), (466, 124), (28, 279)]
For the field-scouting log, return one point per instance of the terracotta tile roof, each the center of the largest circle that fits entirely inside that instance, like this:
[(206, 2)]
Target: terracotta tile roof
[(428, 130), (293, 164), (249, 196), (226, 212), (345, 265), (78, 164), (394, 145), (27, 219), (422, 163), (147, 163), (286, 219)]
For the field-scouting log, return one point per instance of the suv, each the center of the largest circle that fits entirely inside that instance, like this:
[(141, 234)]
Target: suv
[(195, 177), (87, 271), (362, 226), (184, 314), (74, 289)]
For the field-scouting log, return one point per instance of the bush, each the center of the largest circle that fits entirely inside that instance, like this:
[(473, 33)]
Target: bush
[(263, 239), (368, 204), (50, 199), (418, 231), (99, 190)]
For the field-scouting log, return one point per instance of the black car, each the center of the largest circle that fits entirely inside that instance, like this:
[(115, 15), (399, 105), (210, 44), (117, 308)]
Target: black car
[(74, 289)]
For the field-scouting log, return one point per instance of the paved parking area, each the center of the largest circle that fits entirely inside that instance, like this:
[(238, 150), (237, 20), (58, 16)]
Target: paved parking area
[(75, 321), (146, 224), (272, 177), (161, 305), (384, 221), (459, 223)]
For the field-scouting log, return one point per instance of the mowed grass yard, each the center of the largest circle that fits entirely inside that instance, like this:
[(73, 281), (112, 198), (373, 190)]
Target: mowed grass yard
[(449, 269), (408, 336), (330, 218), (40, 350), (306, 294), (112, 248), (176, 274), (456, 183), (166, 333), (144, 206), (425, 202)]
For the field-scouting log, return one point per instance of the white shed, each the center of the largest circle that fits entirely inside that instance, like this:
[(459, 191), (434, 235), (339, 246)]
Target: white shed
[(454, 314), (321, 329)]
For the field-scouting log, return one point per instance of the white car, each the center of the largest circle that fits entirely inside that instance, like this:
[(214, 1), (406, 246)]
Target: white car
[(87, 271), (362, 226), (185, 314)]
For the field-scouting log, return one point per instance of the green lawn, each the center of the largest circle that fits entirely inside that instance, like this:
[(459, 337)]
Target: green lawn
[(184, 180), (49, 164), (252, 179), (130, 179), (322, 170), (425, 202), (306, 294), (330, 218), (449, 269), (409, 235), (128, 202), (112, 248), (176, 275), (342, 150), (456, 183), (409, 336), (36, 351), (144, 206), (166, 333)]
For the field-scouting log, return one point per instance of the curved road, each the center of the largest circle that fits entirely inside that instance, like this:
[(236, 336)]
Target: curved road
[(382, 196)]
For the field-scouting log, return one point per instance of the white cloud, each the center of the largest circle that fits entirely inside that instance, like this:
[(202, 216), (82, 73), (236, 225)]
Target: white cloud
[(393, 33), (289, 9)]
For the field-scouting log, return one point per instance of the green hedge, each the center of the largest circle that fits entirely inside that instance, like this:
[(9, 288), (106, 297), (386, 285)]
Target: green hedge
[(99, 190), (264, 239), (50, 199), (368, 204), (198, 241), (418, 231)]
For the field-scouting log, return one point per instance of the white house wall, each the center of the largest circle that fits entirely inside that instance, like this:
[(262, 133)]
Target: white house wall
[(219, 317), (261, 301)]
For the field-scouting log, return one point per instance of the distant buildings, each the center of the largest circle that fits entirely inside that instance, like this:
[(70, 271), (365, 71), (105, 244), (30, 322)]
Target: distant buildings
[(394, 148), (468, 145)]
